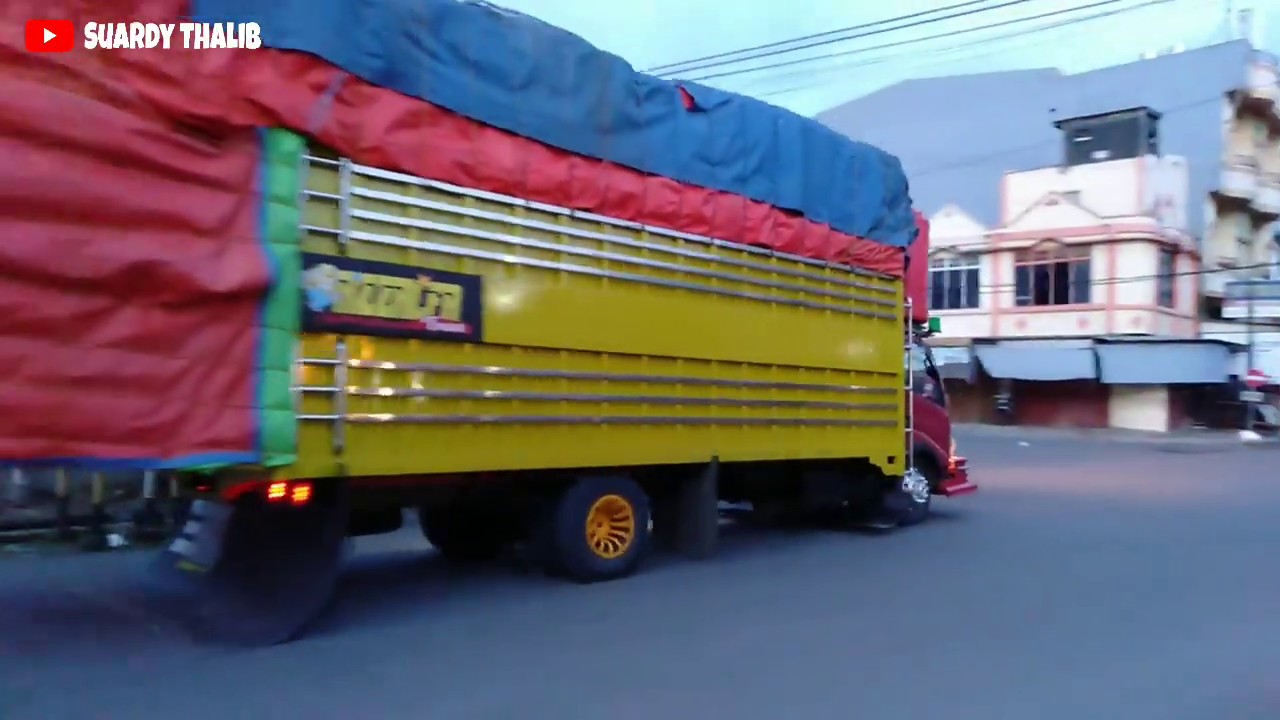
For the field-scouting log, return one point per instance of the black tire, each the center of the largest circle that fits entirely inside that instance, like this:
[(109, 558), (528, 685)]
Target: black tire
[(276, 573), (464, 537), (571, 552)]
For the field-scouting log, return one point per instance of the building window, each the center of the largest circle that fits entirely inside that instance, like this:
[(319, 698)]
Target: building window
[(1261, 134), (1244, 230), (1053, 277), (953, 283), (1166, 279)]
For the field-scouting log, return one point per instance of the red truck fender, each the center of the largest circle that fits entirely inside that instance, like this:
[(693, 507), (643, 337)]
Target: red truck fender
[(928, 451)]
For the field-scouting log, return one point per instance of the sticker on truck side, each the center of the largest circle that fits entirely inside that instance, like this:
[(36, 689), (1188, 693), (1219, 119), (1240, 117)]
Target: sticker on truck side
[(365, 297)]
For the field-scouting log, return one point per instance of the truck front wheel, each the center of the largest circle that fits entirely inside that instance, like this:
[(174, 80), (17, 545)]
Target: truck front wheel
[(599, 529), (906, 500), (916, 488)]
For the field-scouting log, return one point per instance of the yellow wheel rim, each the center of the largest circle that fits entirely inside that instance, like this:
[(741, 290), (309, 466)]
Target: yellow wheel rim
[(611, 526)]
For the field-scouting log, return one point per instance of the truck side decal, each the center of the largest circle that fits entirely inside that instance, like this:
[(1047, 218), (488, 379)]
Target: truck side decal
[(366, 297)]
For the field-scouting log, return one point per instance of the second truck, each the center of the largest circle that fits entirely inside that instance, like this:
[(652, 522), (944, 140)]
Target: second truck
[(575, 314)]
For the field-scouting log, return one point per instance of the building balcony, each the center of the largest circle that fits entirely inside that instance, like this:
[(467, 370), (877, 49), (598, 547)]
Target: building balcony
[(1224, 271), (1213, 284), (1239, 179), (1266, 200), (1225, 254)]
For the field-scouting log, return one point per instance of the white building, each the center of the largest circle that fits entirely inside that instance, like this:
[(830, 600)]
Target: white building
[(1098, 216)]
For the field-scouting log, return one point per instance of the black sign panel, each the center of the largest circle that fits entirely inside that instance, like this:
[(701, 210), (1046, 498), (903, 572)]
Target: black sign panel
[(363, 297)]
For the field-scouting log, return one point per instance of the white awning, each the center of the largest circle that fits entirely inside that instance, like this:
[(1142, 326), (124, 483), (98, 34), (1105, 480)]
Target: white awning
[(1163, 363), (1032, 361)]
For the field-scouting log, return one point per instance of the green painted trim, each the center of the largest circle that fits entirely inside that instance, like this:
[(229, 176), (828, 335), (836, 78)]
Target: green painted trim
[(282, 312)]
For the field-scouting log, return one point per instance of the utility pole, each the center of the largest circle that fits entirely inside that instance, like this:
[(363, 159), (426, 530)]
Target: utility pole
[(1248, 406)]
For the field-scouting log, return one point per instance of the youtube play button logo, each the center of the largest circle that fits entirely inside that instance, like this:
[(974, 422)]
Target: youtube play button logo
[(50, 36)]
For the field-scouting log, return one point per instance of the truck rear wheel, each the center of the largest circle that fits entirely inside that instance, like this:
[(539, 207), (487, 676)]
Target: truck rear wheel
[(599, 529), (465, 535), (250, 574)]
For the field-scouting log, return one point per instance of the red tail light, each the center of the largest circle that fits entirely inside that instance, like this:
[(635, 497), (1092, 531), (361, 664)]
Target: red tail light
[(301, 494), (293, 493)]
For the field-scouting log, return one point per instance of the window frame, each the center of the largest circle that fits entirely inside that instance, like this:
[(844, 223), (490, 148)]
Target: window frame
[(1077, 258), (1261, 134), (1244, 223), (965, 266), (1167, 279), (921, 365)]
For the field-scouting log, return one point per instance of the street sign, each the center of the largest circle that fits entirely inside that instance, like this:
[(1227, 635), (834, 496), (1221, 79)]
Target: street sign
[(1253, 397), (1255, 379)]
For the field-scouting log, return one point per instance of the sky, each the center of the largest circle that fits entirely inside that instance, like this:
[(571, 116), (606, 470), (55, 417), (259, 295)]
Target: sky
[(649, 33)]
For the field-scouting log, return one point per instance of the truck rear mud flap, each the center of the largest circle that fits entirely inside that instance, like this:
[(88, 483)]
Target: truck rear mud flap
[(250, 574)]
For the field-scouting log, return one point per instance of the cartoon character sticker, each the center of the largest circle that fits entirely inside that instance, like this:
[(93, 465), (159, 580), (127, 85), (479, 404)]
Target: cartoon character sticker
[(320, 287)]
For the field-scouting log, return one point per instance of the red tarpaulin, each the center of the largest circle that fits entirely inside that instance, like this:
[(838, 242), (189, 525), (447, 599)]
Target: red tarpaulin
[(130, 272)]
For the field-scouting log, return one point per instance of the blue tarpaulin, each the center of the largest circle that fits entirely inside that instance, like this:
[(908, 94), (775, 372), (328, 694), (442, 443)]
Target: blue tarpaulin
[(522, 75)]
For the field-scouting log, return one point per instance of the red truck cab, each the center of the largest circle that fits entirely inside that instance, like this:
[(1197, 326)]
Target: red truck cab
[(935, 447)]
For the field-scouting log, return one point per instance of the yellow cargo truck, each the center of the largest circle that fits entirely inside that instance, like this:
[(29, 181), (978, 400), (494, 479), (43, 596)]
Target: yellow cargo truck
[(630, 378), (601, 307)]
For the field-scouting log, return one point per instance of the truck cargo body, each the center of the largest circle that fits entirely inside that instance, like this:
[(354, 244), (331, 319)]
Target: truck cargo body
[(564, 341), (527, 376)]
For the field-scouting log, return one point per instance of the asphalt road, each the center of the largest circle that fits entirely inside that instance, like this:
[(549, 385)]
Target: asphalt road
[(1087, 580)]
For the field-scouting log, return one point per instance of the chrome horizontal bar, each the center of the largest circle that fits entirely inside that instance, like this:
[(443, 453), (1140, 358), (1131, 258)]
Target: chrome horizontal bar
[(562, 249), (509, 259), (377, 419), (499, 371), (585, 270), (605, 398), (557, 229), (393, 176), (321, 230)]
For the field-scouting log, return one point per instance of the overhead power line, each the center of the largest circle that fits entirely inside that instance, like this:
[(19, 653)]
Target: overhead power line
[(910, 41), (992, 288), (977, 160), (679, 66), (987, 288), (997, 287), (843, 67), (711, 65)]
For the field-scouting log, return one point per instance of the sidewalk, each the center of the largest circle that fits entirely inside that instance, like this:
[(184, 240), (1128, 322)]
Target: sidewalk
[(1178, 438)]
